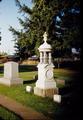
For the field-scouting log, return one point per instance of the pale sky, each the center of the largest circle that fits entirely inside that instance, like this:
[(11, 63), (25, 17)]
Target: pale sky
[(8, 17)]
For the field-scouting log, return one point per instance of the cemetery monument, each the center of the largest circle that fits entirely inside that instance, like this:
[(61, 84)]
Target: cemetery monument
[(45, 85), (11, 74)]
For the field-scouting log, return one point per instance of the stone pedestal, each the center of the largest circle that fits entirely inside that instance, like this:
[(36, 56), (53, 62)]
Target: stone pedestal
[(11, 76), (45, 85), (45, 92)]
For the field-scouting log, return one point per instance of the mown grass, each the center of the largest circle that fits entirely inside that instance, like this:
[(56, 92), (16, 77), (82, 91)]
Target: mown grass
[(7, 115), (1, 65), (45, 105), (28, 75)]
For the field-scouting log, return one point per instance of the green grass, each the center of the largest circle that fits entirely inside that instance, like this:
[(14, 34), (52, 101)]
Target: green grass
[(7, 115), (64, 74), (28, 75), (1, 65), (44, 105)]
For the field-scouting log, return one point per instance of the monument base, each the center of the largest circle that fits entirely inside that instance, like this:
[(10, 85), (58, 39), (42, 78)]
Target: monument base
[(45, 92), (10, 82)]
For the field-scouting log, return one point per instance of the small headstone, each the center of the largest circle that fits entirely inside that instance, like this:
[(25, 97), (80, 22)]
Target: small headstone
[(29, 89), (57, 98), (11, 76)]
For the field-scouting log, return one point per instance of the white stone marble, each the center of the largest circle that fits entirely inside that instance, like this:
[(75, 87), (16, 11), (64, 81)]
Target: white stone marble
[(29, 89), (57, 98), (45, 77), (45, 47), (45, 69), (11, 76), (11, 70)]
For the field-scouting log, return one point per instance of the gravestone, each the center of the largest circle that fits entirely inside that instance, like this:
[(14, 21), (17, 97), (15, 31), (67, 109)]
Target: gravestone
[(29, 89), (11, 76), (45, 85), (57, 98)]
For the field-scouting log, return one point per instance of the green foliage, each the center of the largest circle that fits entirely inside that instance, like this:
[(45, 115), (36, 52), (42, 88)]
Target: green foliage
[(42, 17)]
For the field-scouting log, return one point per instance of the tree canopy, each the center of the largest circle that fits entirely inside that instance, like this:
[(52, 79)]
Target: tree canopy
[(60, 18)]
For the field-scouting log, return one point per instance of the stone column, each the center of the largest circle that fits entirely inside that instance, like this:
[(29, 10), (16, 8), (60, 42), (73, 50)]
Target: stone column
[(41, 57), (50, 58), (45, 55)]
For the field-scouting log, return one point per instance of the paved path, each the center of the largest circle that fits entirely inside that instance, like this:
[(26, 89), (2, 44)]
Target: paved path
[(26, 113)]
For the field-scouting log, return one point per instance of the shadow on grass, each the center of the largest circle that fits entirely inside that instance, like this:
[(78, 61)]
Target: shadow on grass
[(1, 69), (27, 68), (22, 68), (70, 107), (1, 118), (29, 81)]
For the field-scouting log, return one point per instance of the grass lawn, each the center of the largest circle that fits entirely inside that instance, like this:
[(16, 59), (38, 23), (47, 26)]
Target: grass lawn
[(1, 65), (44, 105), (7, 115)]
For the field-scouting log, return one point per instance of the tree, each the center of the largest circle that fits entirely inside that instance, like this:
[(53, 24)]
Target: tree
[(67, 27), (38, 22), (54, 16)]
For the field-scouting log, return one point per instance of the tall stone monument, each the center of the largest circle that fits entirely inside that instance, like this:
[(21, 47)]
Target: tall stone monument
[(11, 76), (45, 85)]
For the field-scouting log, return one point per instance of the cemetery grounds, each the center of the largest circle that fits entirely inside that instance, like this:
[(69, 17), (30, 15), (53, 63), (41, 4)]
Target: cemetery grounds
[(69, 91)]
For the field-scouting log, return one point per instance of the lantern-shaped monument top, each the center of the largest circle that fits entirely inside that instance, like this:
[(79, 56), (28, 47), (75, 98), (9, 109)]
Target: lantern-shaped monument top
[(45, 46), (45, 51)]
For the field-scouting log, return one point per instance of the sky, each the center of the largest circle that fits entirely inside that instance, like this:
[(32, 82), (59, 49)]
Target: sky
[(8, 17)]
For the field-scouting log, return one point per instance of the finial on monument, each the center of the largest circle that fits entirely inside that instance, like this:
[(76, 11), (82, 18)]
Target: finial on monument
[(45, 36)]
